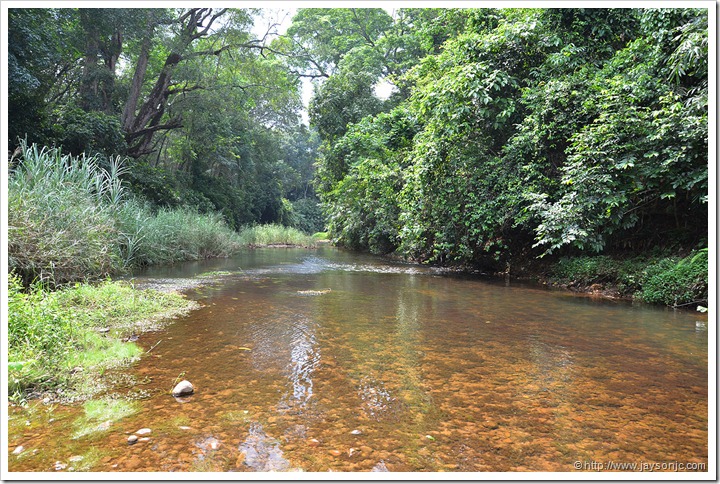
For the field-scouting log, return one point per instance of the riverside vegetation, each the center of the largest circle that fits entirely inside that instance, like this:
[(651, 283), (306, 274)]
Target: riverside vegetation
[(569, 142), (71, 220)]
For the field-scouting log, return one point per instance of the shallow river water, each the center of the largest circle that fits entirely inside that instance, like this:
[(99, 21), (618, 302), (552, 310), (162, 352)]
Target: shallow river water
[(324, 360)]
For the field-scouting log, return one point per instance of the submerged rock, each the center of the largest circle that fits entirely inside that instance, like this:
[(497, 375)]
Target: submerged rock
[(143, 431), (183, 388), (132, 439)]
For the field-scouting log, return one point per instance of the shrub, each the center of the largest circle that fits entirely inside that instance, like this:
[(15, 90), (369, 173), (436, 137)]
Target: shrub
[(678, 283)]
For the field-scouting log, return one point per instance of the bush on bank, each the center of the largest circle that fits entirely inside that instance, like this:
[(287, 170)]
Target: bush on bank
[(669, 280)]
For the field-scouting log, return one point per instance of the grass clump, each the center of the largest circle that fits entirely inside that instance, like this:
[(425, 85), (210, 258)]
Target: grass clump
[(274, 234), (53, 340), (60, 217)]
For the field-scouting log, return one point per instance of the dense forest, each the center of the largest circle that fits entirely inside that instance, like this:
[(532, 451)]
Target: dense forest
[(510, 134)]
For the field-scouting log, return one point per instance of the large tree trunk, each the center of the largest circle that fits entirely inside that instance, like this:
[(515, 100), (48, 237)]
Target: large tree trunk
[(128, 115), (140, 128), (143, 126)]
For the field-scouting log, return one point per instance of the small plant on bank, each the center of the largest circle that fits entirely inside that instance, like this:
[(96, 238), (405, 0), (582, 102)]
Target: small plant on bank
[(678, 283)]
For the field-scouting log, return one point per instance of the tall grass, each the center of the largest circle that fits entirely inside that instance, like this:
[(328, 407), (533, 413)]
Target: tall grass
[(274, 234), (70, 219), (60, 217), (167, 236)]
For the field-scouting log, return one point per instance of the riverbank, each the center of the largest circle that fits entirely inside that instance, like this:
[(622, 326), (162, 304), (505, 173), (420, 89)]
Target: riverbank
[(61, 343), (678, 281)]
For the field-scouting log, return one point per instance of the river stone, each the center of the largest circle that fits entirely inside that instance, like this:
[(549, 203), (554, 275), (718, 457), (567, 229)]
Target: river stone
[(143, 431), (18, 449), (183, 388), (132, 439), (356, 432)]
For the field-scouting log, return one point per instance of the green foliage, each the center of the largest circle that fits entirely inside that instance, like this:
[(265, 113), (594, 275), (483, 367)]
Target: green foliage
[(91, 132), (643, 157), (51, 334), (366, 178), (578, 128), (678, 283), (274, 234), (308, 215)]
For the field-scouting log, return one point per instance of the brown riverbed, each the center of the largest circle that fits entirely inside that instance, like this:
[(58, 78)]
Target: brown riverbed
[(326, 360)]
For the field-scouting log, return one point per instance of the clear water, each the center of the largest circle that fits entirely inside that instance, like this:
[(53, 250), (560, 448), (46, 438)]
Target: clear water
[(328, 360)]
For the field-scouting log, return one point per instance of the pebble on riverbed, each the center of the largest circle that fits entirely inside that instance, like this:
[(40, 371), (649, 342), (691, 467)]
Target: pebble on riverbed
[(132, 439), (183, 388)]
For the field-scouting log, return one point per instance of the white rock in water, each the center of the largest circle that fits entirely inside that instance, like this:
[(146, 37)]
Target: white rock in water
[(183, 388), (143, 431), (132, 439)]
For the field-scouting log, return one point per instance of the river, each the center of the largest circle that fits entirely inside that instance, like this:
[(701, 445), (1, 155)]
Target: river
[(326, 360)]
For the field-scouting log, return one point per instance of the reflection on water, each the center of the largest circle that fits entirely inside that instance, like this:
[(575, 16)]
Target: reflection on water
[(326, 360), (262, 453), (304, 359)]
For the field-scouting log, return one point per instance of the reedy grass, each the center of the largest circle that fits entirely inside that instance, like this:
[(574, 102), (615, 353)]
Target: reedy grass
[(274, 234), (70, 219)]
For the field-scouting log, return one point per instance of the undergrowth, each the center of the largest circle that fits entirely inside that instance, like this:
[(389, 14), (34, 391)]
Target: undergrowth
[(61, 341), (669, 280)]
